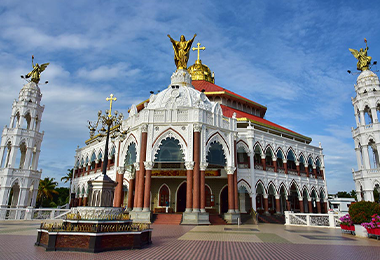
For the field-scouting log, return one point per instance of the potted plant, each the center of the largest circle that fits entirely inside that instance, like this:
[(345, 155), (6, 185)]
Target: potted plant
[(373, 227), (346, 223), (362, 212)]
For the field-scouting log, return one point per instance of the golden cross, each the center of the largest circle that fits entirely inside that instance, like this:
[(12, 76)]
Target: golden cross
[(199, 48), (111, 98)]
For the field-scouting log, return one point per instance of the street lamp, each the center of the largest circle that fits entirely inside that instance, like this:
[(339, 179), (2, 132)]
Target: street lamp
[(112, 122)]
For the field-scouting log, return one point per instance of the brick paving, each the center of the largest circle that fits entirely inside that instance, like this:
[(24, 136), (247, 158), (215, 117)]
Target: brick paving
[(263, 241)]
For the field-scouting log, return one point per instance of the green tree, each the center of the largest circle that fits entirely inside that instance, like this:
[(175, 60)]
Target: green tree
[(46, 189), (68, 177), (353, 195), (343, 194)]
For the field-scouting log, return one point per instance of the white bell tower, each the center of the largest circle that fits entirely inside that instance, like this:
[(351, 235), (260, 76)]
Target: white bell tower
[(366, 135), (20, 149)]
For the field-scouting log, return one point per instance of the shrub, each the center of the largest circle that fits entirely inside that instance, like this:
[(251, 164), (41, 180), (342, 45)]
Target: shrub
[(363, 211), (375, 222)]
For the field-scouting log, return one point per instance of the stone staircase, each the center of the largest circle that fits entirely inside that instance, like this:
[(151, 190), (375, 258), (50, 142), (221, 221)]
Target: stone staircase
[(217, 220), (167, 219), (274, 219)]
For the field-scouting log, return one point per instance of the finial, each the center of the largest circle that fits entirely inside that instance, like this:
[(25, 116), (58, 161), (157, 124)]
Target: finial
[(111, 98), (198, 48)]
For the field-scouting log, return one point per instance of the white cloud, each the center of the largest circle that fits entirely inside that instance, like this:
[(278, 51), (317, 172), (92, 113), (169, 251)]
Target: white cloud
[(119, 70)]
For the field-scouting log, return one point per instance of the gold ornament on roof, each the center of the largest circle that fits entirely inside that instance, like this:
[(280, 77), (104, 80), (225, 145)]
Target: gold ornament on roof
[(36, 72), (363, 59), (181, 51), (199, 71), (111, 98)]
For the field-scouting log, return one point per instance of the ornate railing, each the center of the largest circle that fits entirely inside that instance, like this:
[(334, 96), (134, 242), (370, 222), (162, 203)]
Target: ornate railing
[(269, 168), (32, 213), (292, 172), (312, 220), (259, 167)]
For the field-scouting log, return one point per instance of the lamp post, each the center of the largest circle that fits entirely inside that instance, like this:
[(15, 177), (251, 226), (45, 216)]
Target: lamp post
[(112, 122)]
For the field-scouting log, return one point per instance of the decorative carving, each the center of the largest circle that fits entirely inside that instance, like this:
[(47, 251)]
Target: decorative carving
[(137, 166), (203, 166), (197, 127), (129, 175), (144, 128), (121, 169), (189, 165), (230, 169), (148, 165)]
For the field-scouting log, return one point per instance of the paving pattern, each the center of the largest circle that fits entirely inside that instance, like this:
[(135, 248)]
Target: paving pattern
[(263, 241)]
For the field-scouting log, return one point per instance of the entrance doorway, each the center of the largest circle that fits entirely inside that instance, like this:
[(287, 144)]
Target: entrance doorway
[(181, 198), (224, 200)]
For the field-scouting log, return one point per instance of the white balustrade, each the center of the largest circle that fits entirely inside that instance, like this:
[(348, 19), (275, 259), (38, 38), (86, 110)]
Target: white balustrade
[(330, 220)]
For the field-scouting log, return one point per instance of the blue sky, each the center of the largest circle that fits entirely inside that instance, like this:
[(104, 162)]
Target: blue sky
[(291, 56)]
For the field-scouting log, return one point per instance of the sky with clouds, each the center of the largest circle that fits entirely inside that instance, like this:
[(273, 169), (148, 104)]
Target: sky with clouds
[(291, 56)]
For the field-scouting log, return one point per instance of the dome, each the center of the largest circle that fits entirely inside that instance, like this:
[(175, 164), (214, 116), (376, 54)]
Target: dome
[(365, 74), (31, 93), (199, 71), (179, 94)]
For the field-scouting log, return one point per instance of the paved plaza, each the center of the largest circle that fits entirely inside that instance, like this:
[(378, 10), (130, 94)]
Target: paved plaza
[(263, 241)]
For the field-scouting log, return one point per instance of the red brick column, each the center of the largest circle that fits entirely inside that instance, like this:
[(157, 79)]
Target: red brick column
[(286, 168), (140, 191), (203, 167), (325, 206), (307, 171), (96, 165), (189, 186), (310, 206), (315, 172), (196, 155), (263, 163), (266, 205), (137, 177), (301, 206), (231, 206), (80, 201), (278, 207), (118, 201), (148, 180), (275, 166), (298, 170), (288, 205), (130, 194), (319, 206), (85, 201)]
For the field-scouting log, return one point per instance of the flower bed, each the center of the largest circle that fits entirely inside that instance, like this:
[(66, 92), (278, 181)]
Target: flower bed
[(373, 227), (346, 224)]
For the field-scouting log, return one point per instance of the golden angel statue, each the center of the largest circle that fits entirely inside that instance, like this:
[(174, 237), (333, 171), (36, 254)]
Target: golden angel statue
[(363, 60), (36, 72), (181, 51)]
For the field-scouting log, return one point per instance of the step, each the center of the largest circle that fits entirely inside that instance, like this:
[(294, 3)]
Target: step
[(217, 220), (168, 219)]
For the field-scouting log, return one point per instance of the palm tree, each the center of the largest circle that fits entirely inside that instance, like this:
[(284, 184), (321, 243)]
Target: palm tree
[(46, 189), (68, 177)]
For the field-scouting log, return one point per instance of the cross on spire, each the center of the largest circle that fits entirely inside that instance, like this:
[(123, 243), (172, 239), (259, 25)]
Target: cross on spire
[(111, 98), (199, 48)]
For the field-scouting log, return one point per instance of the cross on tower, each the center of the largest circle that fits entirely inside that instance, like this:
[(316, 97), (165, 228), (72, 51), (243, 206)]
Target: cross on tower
[(199, 48), (111, 98)]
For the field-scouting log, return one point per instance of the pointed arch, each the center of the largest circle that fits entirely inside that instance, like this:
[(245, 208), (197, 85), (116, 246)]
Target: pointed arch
[(273, 186), (245, 184), (164, 195), (295, 184), (167, 134), (260, 183), (282, 186), (217, 137)]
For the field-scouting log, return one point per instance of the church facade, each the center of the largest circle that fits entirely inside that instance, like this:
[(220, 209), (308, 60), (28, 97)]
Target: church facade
[(198, 149)]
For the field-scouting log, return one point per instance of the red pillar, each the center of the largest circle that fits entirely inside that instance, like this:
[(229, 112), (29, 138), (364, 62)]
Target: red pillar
[(263, 163), (136, 185), (310, 206), (319, 206), (189, 187), (278, 206), (140, 195), (130, 193), (288, 205), (196, 190), (80, 202), (96, 167), (275, 166), (286, 168), (266, 206), (231, 203), (85, 201), (118, 201), (148, 173), (325, 207), (301, 206), (203, 190), (315, 172), (298, 170)]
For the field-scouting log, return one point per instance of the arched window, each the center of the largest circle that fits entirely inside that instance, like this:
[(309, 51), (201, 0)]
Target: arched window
[(112, 155), (280, 159), (242, 158), (302, 164), (368, 115), (100, 158), (6, 154), (290, 163), (93, 158), (268, 157), (373, 154), (257, 156), (164, 196), (209, 197), (16, 120), (215, 156), (318, 166), (169, 151), (131, 155), (20, 158), (310, 165), (27, 121)]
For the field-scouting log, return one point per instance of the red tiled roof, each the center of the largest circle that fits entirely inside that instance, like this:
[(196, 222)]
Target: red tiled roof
[(210, 87), (228, 111)]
